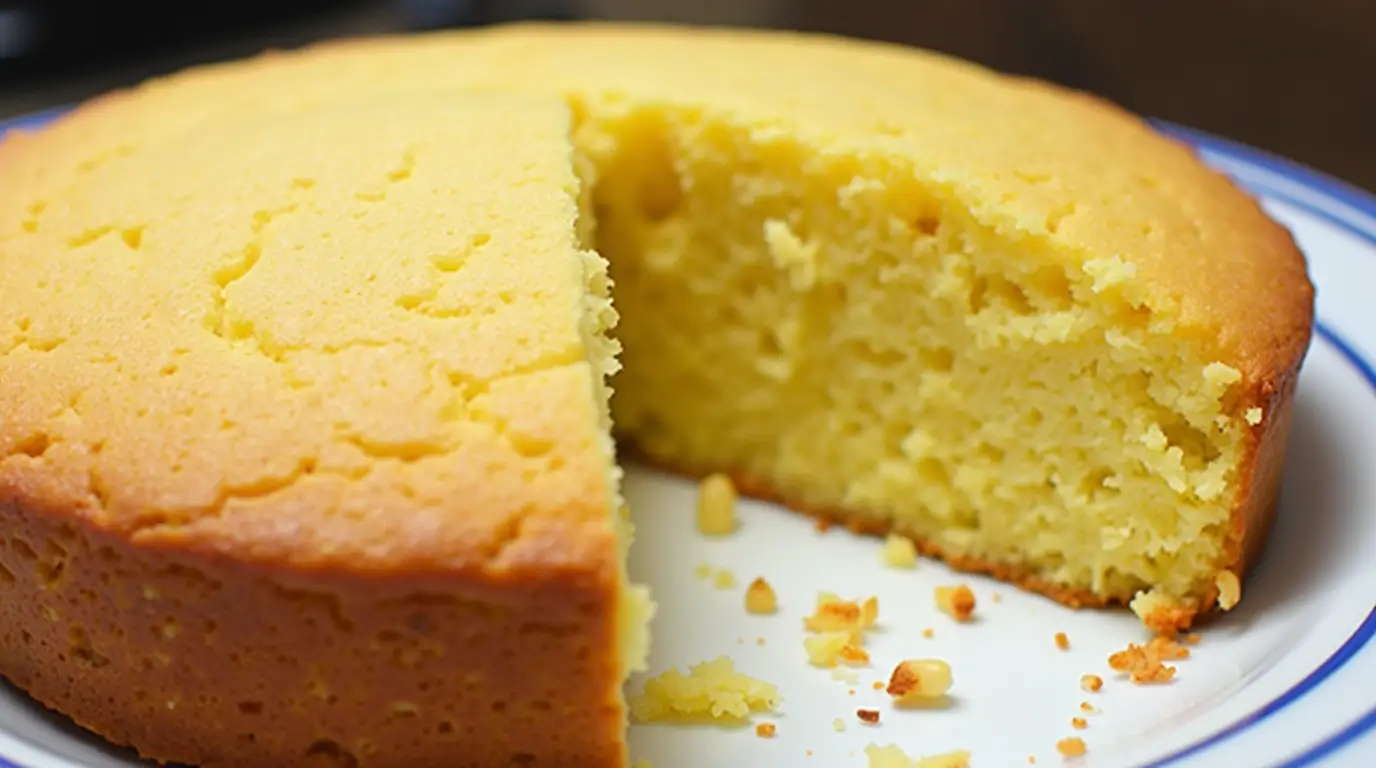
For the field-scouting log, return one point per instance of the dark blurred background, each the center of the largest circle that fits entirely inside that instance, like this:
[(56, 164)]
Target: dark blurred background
[(1297, 77)]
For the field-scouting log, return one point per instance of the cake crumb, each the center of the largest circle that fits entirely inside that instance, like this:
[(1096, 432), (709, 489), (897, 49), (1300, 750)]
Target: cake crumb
[(716, 505), (759, 640), (1192, 638), (1091, 683), (1087, 707), (868, 716), (957, 601), (765, 730), (1144, 663), (996, 597), (704, 571), (850, 691), (831, 648), (712, 689), (833, 614), (919, 679), (928, 633), (1229, 590), (760, 597), (1072, 747), (822, 525), (808, 753), (838, 724), (845, 675), (1078, 723), (878, 685), (899, 552), (1031, 759), (724, 579), (890, 756), (1062, 641)]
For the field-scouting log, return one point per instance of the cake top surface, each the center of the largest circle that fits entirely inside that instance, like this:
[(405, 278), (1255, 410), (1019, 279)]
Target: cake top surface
[(190, 211), (1064, 171), (349, 333)]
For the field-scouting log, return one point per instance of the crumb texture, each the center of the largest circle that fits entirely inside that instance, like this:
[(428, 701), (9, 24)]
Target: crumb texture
[(712, 690)]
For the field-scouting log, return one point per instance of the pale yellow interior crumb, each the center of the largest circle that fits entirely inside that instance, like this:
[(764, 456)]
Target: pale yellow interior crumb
[(831, 329), (836, 331), (890, 756), (712, 690)]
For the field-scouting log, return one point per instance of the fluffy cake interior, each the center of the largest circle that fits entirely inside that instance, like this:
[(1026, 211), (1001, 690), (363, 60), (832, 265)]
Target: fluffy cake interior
[(835, 334)]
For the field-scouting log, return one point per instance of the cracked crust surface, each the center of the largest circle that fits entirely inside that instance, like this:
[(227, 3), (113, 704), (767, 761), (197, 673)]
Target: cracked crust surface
[(331, 443)]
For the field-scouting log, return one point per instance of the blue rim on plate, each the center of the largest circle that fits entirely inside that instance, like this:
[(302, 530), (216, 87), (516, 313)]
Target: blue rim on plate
[(1326, 186)]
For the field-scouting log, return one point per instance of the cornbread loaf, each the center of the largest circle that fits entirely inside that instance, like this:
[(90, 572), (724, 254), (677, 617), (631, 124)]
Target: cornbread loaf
[(306, 446)]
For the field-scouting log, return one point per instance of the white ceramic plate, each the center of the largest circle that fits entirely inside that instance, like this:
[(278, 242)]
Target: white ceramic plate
[(1288, 679)]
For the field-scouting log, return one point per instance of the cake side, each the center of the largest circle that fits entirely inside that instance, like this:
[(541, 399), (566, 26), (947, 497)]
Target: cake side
[(196, 658), (327, 474)]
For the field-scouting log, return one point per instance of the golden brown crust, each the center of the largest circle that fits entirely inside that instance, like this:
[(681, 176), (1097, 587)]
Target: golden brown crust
[(197, 659)]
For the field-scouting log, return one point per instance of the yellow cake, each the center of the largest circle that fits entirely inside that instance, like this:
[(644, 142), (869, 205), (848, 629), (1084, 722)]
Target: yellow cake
[(304, 366)]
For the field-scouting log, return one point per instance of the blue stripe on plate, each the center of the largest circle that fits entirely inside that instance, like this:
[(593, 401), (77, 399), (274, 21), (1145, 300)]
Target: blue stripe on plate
[(1329, 187)]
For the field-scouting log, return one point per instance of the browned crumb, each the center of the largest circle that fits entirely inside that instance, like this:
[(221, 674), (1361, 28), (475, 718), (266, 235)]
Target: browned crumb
[(822, 525), (920, 679), (1143, 663), (850, 691), (928, 632), (760, 597), (854, 654), (1031, 759), (1079, 723), (870, 716), (809, 753), (1062, 641), (958, 601), (1072, 747), (1192, 638), (1091, 683), (1086, 707), (759, 640), (878, 685), (765, 730)]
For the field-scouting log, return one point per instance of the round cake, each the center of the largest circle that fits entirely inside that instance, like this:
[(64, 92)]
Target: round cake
[(306, 368)]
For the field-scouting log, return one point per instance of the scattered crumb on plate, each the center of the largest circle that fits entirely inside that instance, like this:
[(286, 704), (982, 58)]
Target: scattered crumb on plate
[(899, 552), (831, 648), (957, 601), (891, 756), (716, 505), (1079, 723), (1144, 664), (919, 679), (1062, 641), (1072, 747), (838, 724), (833, 614), (1091, 683), (711, 689), (868, 716), (760, 597), (765, 730), (724, 579)]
